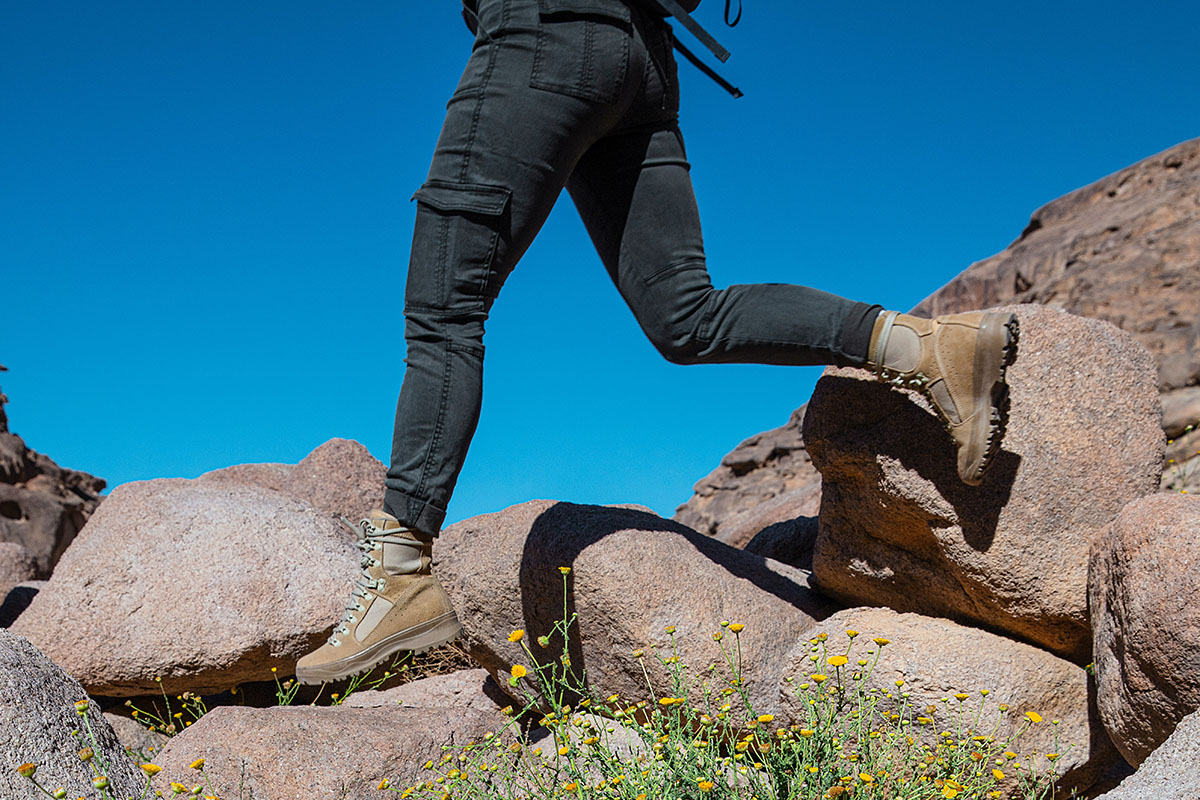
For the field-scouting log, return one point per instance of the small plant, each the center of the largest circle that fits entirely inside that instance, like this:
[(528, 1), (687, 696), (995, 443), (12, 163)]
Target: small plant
[(166, 721), (92, 755), (1181, 477), (700, 736)]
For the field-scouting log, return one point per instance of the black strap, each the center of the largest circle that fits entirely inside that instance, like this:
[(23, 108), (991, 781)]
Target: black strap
[(685, 19), (736, 19), (707, 70)]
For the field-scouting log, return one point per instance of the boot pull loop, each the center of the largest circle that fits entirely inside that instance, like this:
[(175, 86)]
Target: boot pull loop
[(885, 333)]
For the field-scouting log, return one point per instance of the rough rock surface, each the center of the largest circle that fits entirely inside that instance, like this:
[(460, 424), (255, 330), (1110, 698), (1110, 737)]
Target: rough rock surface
[(786, 511), (790, 541), (17, 565), (205, 585), (632, 575), (37, 716), (17, 600), (765, 466), (1171, 772), (42, 505), (1143, 588), (136, 737), (339, 477), (466, 688), (937, 658), (899, 529), (1125, 249), (304, 751)]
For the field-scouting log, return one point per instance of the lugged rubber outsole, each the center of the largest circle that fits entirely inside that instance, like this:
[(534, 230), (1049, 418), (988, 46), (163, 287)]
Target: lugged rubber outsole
[(417, 640), (998, 401)]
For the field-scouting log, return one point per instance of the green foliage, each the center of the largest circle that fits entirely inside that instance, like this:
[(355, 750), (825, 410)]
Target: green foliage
[(700, 737)]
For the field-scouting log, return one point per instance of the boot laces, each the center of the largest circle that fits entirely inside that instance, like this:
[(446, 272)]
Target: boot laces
[(365, 584)]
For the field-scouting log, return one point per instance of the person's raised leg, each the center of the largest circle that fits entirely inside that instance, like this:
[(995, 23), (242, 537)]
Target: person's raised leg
[(634, 193)]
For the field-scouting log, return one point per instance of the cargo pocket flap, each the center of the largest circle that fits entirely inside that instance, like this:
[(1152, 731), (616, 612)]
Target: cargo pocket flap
[(604, 8), (469, 197)]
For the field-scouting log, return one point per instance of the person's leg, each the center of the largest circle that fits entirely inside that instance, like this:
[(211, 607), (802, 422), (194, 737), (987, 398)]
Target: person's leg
[(537, 91), (634, 192)]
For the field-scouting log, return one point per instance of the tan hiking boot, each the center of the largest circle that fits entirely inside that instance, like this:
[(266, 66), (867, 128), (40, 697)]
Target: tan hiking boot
[(957, 361), (397, 605)]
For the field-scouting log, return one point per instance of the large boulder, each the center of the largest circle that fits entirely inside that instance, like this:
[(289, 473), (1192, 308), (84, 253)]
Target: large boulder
[(37, 724), (464, 688), (1171, 772), (1145, 597), (1125, 249), (898, 527), (633, 574), (937, 658), (339, 477), (204, 586), (309, 751)]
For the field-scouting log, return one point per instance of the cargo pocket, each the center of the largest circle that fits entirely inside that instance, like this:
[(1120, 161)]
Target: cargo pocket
[(457, 239), (583, 48)]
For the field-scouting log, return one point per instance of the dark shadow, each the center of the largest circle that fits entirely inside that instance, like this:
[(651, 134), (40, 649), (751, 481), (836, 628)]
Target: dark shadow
[(17, 600), (563, 531), (900, 429)]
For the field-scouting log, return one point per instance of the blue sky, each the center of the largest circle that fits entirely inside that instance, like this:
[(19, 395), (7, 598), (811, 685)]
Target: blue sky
[(205, 219)]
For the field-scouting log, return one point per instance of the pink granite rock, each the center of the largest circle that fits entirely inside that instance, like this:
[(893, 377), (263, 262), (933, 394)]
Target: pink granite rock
[(1144, 589), (632, 575), (339, 477), (37, 718), (319, 752), (937, 658), (205, 585), (899, 529)]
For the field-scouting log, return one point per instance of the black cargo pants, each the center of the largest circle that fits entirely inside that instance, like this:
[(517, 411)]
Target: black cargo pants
[(582, 94)]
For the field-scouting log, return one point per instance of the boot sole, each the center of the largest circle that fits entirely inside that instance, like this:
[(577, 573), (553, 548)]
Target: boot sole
[(417, 639), (996, 350)]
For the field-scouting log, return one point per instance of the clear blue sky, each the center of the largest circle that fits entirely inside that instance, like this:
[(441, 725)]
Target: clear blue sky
[(205, 218)]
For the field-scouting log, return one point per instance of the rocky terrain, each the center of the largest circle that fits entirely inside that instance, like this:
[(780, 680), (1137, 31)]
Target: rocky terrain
[(1124, 249), (1057, 598)]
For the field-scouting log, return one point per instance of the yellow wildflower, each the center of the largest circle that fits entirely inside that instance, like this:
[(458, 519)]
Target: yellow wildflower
[(516, 635), (518, 671), (836, 661), (705, 786), (1033, 716), (197, 764), (737, 627), (998, 774), (818, 677), (879, 640), (150, 769)]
